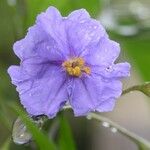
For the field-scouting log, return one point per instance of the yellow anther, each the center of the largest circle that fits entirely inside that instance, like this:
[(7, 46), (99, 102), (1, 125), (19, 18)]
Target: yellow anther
[(76, 66), (67, 64), (87, 70), (77, 71), (80, 62), (69, 70)]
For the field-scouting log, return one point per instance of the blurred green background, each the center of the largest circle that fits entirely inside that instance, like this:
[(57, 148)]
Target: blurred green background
[(127, 21)]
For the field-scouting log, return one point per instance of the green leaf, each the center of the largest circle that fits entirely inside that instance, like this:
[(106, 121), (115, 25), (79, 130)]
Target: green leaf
[(66, 141), (142, 147), (6, 144), (92, 6), (4, 120), (41, 140), (138, 50)]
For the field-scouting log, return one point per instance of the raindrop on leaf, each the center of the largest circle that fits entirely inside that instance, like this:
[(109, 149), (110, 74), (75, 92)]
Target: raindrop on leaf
[(20, 133)]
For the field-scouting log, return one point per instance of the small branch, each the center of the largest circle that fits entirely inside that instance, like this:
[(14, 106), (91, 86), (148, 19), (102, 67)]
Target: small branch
[(133, 88), (144, 88), (135, 138)]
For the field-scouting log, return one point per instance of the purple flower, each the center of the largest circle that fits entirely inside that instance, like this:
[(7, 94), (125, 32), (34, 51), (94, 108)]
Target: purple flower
[(67, 59)]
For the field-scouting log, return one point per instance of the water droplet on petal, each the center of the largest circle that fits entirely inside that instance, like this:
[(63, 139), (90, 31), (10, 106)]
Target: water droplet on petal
[(109, 69), (55, 46), (106, 80), (48, 47), (21, 92), (92, 34), (82, 21), (105, 124), (95, 27), (113, 129), (64, 18)]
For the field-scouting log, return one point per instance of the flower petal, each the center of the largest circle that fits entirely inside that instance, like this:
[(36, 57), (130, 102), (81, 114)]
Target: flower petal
[(117, 71), (107, 105), (112, 90), (38, 43), (17, 74), (44, 95), (102, 54), (52, 23), (81, 99), (35, 66), (82, 31), (78, 15), (24, 48), (90, 93)]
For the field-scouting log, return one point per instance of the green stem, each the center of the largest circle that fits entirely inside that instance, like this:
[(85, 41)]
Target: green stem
[(133, 88), (135, 138), (144, 88)]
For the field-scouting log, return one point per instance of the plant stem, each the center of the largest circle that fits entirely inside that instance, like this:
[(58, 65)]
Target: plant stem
[(137, 139), (144, 88), (134, 137), (133, 88)]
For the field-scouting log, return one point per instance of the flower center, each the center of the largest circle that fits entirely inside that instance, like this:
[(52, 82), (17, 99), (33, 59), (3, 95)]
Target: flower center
[(76, 67)]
